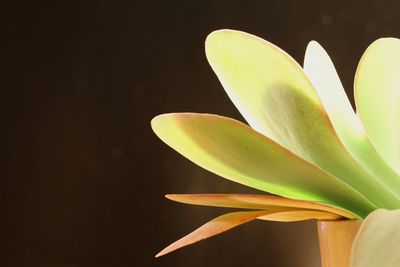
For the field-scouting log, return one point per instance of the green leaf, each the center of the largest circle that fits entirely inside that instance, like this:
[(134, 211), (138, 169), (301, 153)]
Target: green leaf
[(377, 243), (235, 151), (274, 95), (230, 220), (261, 202), (321, 71), (377, 94)]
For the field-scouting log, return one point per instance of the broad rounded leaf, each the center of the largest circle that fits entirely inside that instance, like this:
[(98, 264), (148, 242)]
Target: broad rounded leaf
[(321, 71), (277, 99), (377, 94), (377, 243), (233, 150), (261, 202)]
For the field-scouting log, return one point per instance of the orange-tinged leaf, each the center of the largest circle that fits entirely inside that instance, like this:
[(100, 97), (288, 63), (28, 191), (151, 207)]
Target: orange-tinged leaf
[(261, 202), (231, 220), (300, 215), (214, 227)]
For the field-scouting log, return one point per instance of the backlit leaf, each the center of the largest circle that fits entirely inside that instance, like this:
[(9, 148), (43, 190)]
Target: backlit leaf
[(321, 71), (377, 243), (235, 151), (377, 94), (277, 99)]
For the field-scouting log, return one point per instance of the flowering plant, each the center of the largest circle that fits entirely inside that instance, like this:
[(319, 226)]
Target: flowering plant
[(305, 144)]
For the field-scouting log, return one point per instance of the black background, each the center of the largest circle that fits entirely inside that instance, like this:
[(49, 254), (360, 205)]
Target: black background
[(84, 176)]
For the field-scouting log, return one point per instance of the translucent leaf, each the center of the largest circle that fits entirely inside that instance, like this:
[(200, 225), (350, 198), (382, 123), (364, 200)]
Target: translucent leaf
[(277, 99), (377, 94), (235, 151), (321, 71), (377, 243)]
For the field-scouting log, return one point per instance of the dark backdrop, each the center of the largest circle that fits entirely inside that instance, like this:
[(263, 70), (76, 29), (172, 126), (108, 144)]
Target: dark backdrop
[(84, 176)]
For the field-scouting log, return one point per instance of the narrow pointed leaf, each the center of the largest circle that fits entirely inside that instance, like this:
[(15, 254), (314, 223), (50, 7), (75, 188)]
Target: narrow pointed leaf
[(322, 73), (377, 94), (300, 215), (235, 151), (230, 220), (214, 227), (262, 202), (377, 243), (277, 99)]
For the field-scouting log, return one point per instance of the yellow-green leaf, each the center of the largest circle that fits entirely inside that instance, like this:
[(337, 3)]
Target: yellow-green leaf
[(261, 202), (377, 243), (233, 150), (322, 73), (277, 99), (377, 94)]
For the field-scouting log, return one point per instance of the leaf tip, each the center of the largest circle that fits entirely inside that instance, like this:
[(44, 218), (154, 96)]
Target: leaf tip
[(169, 196), (161, 253), (172, 247), (155, 122)]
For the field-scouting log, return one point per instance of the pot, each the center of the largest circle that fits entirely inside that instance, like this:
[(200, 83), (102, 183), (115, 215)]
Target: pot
[(335, 241)]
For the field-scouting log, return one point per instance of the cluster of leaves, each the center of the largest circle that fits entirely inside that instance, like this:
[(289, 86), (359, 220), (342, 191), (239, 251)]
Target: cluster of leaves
[(305, 144)]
